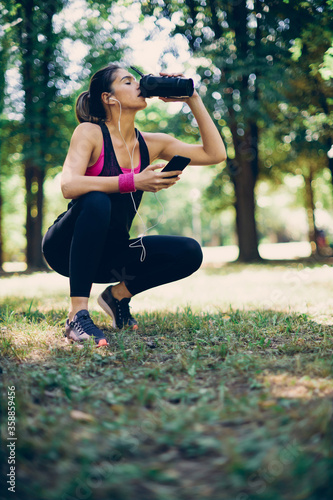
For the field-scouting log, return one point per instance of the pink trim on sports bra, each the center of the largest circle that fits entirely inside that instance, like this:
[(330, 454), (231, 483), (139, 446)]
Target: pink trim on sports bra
[(128, 170), (97, 167)]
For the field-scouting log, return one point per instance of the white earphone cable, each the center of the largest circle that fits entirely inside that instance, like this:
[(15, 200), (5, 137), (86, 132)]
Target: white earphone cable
[(139, 242)]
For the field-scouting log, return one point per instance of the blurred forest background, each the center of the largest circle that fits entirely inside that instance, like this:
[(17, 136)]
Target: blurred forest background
[(264, 69)]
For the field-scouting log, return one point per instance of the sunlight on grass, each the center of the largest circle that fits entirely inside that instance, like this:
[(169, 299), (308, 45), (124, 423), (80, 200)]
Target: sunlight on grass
[(303, 288), (286, 386)]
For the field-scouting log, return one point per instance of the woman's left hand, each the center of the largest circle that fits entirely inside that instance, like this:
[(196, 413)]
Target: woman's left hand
[(177, 99)]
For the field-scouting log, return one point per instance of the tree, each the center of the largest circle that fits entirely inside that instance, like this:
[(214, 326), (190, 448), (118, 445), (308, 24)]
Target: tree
[(47, 118), (7, 20), (3, 64), (34, 50), (246, 46), (303, 123), (39, 68)]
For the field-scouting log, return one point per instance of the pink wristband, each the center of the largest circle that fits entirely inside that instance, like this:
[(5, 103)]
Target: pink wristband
[(126, 183)]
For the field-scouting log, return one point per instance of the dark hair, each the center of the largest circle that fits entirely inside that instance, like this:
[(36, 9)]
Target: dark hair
[(89, 106)]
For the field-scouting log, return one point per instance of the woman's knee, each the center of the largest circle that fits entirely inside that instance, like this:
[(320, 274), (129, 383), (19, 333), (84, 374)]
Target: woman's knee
[(194, 253), (97, 205), (191, 254)]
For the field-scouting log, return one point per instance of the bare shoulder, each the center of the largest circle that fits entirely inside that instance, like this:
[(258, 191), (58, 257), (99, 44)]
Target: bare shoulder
[(86, 142), (87, 131)]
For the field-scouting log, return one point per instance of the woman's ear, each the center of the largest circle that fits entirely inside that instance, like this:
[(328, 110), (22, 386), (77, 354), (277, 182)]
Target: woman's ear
[(106, 98)]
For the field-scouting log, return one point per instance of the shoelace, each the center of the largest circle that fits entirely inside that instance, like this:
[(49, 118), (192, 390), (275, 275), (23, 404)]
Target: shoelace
[(85, 325), (124, 310)]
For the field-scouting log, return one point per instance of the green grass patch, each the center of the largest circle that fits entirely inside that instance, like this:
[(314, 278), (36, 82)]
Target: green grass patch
[(235, 405)]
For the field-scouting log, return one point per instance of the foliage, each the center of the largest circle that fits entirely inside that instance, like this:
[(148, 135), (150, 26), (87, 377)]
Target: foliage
[(39, 117), (34, 55), (252, 57), (268, 86)]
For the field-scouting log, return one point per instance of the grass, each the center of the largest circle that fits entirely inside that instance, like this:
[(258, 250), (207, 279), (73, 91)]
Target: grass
[(234, 404)]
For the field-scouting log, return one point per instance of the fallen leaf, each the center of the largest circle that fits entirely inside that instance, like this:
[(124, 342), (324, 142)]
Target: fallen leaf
[(268, 403), (118, 409), (80, 415), (51, 394)]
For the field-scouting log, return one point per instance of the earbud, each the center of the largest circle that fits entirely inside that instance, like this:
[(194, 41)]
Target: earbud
[(113, 99)]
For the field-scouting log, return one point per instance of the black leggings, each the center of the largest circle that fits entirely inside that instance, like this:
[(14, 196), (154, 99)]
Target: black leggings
[(80, 245)]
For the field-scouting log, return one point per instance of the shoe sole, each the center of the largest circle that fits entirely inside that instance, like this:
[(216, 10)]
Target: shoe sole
[(79, 343), (107, 309), (74, 338)]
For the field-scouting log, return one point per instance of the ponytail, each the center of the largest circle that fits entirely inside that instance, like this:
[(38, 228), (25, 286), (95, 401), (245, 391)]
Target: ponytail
[(83, 109), (89, 106)]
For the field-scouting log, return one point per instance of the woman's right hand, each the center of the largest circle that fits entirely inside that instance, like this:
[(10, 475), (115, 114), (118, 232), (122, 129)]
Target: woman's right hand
[(150, 180)]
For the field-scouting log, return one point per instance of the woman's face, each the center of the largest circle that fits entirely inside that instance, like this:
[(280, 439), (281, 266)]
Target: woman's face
[(127, 90)]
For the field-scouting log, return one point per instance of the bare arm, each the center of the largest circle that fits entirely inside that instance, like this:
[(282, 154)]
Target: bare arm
[(212, 149)]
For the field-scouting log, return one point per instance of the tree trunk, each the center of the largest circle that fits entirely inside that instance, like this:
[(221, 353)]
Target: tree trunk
[(310, 208), (34, 179), (243, 170), (34, 175), (330, 157), (1, 232), (4, 54)]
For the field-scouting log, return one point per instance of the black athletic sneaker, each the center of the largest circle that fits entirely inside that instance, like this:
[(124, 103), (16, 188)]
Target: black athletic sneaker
[(82, 328), (117, 309)]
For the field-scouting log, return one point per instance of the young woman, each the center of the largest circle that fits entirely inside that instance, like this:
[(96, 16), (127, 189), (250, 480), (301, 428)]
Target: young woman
[(106, 171)]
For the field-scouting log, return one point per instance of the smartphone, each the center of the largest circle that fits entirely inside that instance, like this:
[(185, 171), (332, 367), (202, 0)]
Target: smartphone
[(176, 163)]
